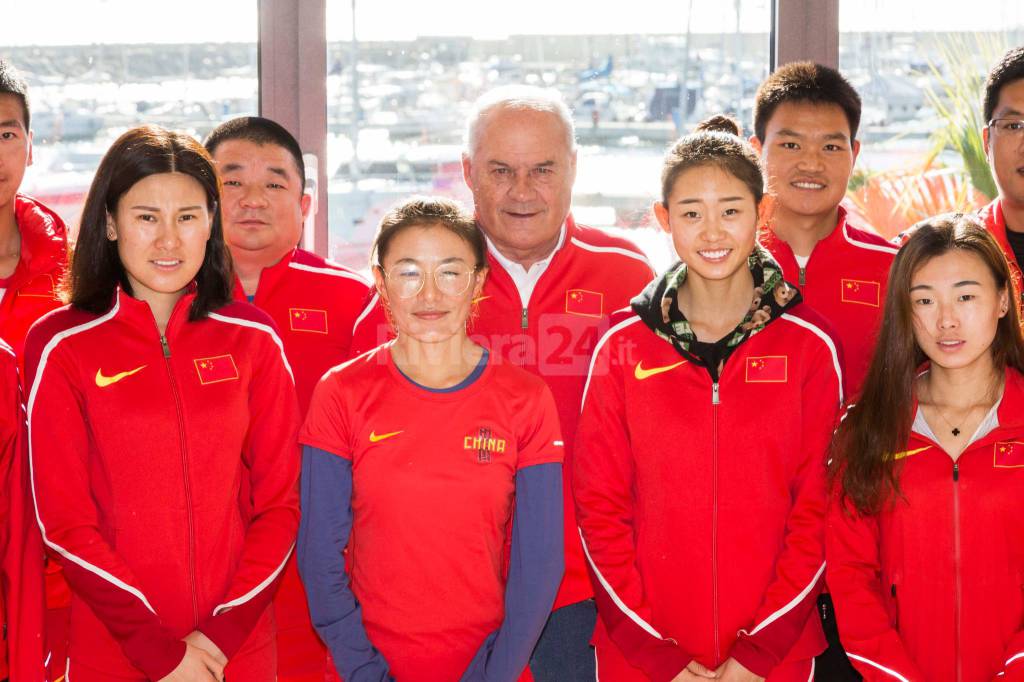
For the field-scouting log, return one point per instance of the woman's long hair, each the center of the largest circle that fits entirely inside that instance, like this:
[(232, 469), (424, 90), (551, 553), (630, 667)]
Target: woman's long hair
[(878, 425), (96, 268)]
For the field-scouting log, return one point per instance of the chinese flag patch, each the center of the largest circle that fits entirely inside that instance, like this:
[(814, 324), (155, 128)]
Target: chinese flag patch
[(769, 369), (39, 287), (1008, 454), (859, 291), (307, 320), (216, 369), (584, 302)]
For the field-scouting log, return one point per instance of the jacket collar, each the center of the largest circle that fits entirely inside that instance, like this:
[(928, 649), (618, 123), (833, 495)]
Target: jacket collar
[(43, 238), (268, 278)]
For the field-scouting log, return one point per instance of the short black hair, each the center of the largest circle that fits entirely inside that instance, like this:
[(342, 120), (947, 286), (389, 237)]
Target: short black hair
[(13, 83), (258, 130), (805, 82), (1006, 70)]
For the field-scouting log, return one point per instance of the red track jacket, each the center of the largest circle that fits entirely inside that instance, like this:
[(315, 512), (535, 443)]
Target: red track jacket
[(31, 291), (138, 447), (314, 304), (592, 275), (21, 548), (845, 282), (701, 505), (931, 589)]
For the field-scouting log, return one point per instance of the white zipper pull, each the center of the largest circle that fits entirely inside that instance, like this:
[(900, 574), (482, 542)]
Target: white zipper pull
[(714, 393)]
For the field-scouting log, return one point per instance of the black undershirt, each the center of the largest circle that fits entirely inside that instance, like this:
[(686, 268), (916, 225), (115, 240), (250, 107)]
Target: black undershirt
[(1016, 240)]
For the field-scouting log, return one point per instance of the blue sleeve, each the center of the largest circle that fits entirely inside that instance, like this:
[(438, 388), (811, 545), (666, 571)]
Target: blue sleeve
[(323, 534), (534, 574)]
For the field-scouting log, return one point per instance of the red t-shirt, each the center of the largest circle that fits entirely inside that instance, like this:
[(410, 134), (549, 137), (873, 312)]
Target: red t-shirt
[(433, 478)]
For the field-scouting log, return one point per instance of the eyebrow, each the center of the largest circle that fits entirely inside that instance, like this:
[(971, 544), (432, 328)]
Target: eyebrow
[(962, 283), (1003, 113), (155, 209), (836, 135), (542, 164), (11, 123), (697, 201)]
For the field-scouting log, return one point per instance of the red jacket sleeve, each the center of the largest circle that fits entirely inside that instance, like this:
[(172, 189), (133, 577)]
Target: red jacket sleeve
[(800, 568), (23, 559), (854, 578), (602, 484), (272, 458), (69, 519)]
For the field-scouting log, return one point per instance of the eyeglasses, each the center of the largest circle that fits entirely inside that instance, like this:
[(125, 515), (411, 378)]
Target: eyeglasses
[(408, 279), (1008, 126)]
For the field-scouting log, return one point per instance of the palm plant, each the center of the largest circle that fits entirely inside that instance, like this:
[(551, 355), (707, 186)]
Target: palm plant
[(956, 98)]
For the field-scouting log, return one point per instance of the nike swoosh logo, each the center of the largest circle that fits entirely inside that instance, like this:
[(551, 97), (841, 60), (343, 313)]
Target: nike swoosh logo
[(104, 381), (640, 373), (374, 438), (908, 453)]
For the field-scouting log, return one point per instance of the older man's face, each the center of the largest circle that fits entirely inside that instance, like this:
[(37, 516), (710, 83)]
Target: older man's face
[(521, 174)]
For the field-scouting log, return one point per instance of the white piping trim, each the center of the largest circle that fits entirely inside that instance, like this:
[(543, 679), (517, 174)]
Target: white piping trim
[(43, 358), (877, 665), (828, 342), (788, 607), (647, 627), (67, 670), (610, 249), (593, 358), (597, 672), (6, 348), (1013, 658), (870, 247), (810, 678), (366, 311), (262, 327), (330, 271), (256, 590)]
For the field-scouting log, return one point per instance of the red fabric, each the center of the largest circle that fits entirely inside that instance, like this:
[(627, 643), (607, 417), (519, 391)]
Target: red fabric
[(138, 488), (930, 589), (992, 217), (315, 304), (704, 522), (32, 289), (20, 544), (845, 282), (604, 272), (433, 493)]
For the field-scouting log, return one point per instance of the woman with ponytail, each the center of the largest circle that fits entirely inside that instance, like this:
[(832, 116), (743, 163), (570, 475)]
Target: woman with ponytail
[(700, 472)]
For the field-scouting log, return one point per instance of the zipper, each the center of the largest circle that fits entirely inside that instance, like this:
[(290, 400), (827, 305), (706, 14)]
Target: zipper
[(715, 400), (184, 466), (803, 276), (956, 560), (524, 319)]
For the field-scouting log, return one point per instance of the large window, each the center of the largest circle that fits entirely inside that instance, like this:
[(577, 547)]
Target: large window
[(919, 67), (97, 68), (401, 77)]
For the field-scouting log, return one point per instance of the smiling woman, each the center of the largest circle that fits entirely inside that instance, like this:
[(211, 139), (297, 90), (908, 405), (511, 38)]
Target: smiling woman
[(151, 357), (416, 456), (717, 371)]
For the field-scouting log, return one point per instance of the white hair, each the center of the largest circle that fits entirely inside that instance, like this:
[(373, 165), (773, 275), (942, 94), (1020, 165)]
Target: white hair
[(520, 98)]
